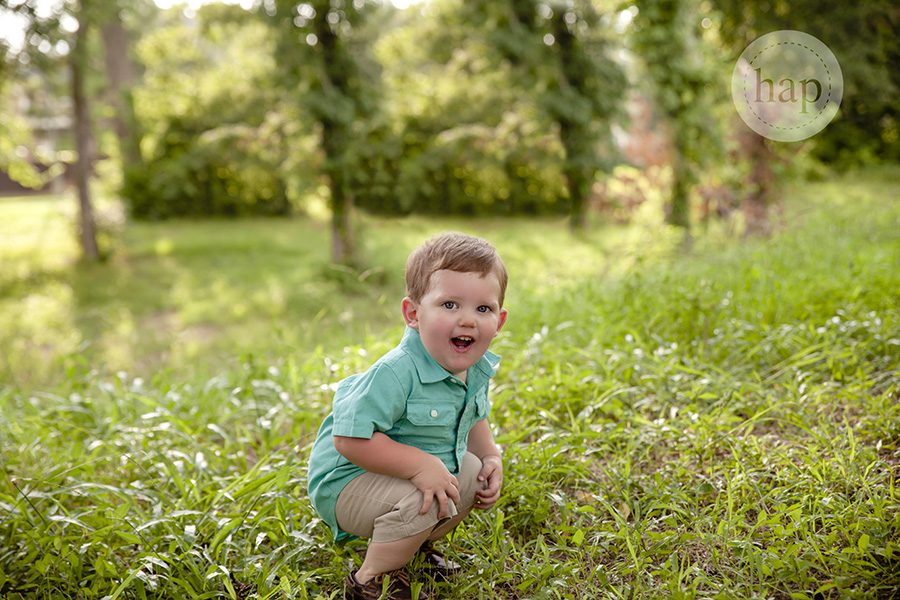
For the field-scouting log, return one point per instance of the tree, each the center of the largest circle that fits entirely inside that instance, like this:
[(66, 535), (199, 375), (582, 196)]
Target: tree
[(14, 133), (121, 77), (324, 50), (665, 36), (463, 136), (589, 82), (523, 38), (62, 38), (214, 127), (864, 37), (78, 65), (563, 59)]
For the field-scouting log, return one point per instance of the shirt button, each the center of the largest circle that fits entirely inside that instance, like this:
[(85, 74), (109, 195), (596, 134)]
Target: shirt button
[(434, 412)]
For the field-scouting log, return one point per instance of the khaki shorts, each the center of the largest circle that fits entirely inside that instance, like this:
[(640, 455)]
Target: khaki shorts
[(386, 508)]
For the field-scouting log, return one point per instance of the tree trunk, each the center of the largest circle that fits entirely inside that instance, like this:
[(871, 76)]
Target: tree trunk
[(575, 183), (82, 131), (120, 73), (575, 133), (336, 142), (756, 201), (679, 206), (343, 243), (578, 178)]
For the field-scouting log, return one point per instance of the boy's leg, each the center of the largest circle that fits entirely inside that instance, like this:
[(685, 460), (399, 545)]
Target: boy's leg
[(468, 485), (382, 557), (448, 526), (386, 509)]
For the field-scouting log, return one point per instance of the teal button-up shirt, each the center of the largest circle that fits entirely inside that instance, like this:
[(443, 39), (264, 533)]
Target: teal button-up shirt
[(409, 397)]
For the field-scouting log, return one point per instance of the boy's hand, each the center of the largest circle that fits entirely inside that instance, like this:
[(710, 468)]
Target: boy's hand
[(491, 478), (435, 481)]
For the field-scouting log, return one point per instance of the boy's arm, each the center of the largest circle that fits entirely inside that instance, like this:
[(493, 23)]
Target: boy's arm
[(481, 444), (481, 440), (382, 455)]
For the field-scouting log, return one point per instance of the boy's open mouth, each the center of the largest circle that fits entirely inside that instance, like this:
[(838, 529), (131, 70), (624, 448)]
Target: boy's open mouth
[(462, 342)]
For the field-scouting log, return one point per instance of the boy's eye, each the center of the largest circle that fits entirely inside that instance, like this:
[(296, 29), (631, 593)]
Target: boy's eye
[(484, 308), (449, 304)]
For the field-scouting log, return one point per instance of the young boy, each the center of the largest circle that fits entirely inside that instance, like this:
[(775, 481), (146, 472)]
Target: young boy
[(407, 451)]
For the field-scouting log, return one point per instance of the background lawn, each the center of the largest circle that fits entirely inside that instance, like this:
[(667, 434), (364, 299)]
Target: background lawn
[(716, 422)]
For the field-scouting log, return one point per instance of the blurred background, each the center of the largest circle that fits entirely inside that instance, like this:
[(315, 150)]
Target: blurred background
[(186, 181)]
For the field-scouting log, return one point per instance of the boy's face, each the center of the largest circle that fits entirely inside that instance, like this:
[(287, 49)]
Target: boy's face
[(457, 318)]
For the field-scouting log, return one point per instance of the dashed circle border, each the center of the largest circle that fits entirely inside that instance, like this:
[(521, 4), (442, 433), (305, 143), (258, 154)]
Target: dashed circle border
[(828, 73), (818, 113)]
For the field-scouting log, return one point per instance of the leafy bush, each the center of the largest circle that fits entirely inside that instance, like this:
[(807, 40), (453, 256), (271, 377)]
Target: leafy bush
[(213, 143), (223, 171), (471, 169)]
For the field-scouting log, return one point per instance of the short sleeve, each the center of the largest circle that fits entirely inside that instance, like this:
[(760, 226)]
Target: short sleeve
[(369, 402), (482, 403)]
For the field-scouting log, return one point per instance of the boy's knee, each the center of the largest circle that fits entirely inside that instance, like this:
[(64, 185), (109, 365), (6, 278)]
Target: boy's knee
[(468, 480), (405, 519), (386, 509)]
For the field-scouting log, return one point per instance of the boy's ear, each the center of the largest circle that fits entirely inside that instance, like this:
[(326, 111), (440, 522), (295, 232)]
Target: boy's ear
[(503, 314), (410, 312)]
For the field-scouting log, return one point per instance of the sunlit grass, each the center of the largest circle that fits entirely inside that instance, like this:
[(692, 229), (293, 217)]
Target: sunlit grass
[(721, 422), (190, 295)]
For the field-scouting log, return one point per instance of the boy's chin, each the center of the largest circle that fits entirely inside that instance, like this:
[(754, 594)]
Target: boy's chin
[(461, 366)]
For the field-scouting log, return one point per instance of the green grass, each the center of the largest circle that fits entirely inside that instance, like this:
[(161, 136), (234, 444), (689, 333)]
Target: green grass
[(717, 423), (187, 297)]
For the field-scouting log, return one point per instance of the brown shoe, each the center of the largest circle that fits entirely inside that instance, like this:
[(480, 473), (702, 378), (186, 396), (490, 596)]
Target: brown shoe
[(398, 588), (437, 563)]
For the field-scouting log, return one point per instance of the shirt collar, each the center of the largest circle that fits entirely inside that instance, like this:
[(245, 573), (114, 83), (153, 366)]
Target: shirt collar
[(429, 370)]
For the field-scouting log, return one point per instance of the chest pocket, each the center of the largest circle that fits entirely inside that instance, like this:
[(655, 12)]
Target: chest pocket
[(430, 425), (427, 413)]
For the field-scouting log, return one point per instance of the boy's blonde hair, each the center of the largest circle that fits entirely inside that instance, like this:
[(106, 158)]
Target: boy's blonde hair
[(453, 252)]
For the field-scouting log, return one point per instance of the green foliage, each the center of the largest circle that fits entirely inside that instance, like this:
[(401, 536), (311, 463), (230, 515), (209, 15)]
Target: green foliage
[(13, 137), (462, 129), (474, 170), (225, 171), (666, 34), (447, 107), (467, 141), (214, 144), (721, 424), (324, 63), (865, 38), (565, 53)]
